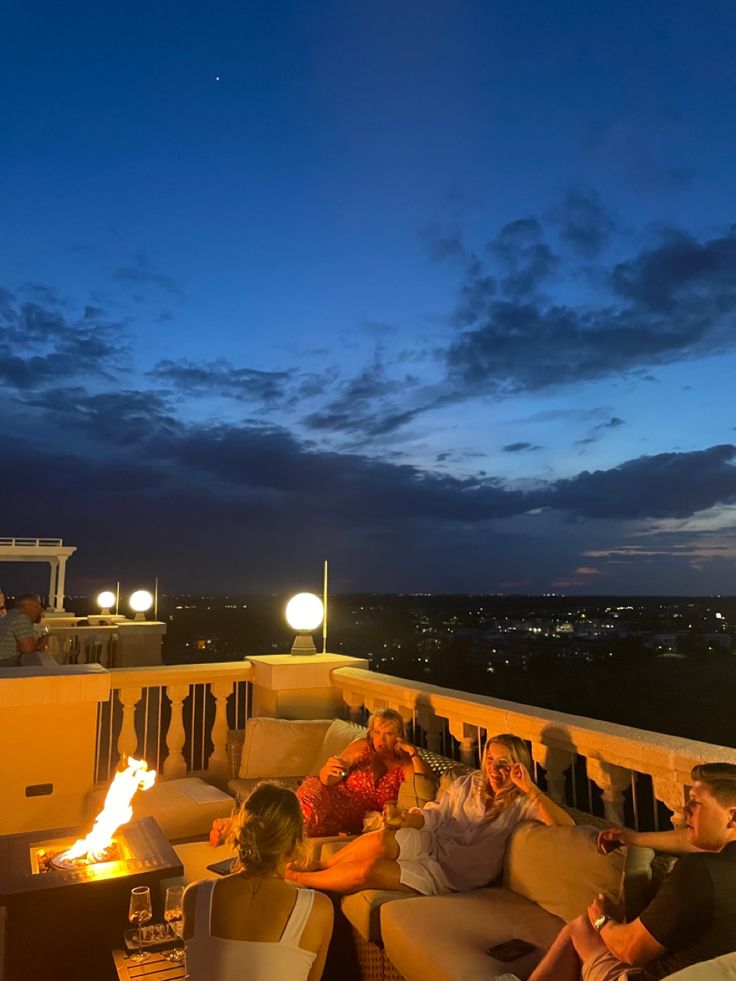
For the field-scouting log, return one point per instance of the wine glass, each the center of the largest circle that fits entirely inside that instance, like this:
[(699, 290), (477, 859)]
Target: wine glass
[(173, 915), (140, 912)]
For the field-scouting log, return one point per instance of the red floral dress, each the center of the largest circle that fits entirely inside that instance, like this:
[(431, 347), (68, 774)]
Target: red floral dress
[(341, 807)]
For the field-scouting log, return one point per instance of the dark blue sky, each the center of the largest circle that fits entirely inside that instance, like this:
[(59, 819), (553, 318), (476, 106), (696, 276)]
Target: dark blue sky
[(444, 292)]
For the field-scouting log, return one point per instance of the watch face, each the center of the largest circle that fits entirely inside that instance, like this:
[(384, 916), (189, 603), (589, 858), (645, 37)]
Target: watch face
[(599, 922)]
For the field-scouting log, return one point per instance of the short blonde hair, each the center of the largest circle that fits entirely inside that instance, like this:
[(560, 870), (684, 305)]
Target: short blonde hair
[(267, 829), (387, 715)]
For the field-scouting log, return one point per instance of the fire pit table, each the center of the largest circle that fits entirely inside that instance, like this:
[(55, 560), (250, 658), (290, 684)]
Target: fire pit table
[(63, 922)]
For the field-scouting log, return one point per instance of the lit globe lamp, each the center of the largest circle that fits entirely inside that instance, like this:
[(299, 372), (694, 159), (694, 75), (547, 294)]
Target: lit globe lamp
[(105, 599), (141, 602), (304, 614)]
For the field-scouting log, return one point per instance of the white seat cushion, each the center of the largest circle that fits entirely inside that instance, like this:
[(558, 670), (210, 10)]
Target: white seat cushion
[(446, 937)]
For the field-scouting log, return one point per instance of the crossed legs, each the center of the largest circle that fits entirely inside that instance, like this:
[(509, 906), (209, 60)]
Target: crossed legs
[(368, 862)]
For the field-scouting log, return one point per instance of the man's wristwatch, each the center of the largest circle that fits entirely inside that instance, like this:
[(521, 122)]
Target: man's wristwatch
[(600, 921)]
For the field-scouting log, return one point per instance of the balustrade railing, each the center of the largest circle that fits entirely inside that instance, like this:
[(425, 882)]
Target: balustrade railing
[(628, 775), (177, 718)]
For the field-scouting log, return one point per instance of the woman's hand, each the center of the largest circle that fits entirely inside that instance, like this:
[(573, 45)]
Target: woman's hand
[(403, 748), (219, 831), (520, 778), (334, 770), (613, 838)]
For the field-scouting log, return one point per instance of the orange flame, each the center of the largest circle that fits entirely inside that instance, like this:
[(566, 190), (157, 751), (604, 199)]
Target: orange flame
[(116, 811)]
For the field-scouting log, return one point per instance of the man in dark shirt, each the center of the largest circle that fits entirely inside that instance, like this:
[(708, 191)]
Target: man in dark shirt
[(691, 919)]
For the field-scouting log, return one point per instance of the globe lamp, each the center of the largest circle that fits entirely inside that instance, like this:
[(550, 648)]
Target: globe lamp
[(304, 614), (141, 602), (105, 599)]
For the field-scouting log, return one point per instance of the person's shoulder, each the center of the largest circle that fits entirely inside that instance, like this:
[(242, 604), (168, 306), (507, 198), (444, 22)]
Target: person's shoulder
[(17, 616), (322, 908)]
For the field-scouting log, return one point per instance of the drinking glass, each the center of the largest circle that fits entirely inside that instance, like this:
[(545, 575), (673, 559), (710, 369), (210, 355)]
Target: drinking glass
[(173, 915), (140, 912)]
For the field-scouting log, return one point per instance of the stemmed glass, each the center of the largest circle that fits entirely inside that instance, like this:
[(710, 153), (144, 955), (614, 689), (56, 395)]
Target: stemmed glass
[(140, 912), (173, 915)]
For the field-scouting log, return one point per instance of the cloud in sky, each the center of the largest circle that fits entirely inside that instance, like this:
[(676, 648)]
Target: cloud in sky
[(672, 302), (334, 444), (220, 378), (40, 346)]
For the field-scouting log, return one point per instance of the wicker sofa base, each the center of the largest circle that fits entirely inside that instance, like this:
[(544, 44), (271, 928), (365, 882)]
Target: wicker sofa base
[(373, 963)]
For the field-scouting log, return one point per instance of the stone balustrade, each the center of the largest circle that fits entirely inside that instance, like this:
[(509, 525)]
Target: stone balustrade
[(66, 726), (176, 717), (615, 756)]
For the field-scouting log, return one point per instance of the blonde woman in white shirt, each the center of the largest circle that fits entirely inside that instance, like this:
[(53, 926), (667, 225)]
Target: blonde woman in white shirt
[(451, 846)]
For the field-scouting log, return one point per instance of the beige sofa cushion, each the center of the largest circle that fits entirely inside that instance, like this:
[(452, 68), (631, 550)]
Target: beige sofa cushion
[(183, 808), (280, 747), (445, 938), (337, 737), (560, 868), (719, 969)]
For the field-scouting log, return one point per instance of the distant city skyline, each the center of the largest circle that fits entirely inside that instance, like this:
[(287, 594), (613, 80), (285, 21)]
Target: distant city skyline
[(445, 294)]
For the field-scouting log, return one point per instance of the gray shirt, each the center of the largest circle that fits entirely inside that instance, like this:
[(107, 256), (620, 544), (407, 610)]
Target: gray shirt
[(14, 627)]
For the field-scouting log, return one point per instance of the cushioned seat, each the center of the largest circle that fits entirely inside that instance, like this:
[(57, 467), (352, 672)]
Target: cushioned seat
[(550, 876), (446, 937), (719, 969), (183, 808)]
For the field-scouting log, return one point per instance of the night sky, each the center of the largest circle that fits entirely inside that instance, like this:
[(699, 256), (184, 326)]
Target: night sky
[(444, 292)]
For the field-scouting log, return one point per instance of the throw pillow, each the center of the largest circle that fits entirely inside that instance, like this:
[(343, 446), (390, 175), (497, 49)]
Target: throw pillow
[(280, 747), (337, 737)]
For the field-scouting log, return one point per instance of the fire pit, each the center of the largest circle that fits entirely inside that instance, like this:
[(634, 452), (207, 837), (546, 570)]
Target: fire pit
[(63, 922), (67, 899)]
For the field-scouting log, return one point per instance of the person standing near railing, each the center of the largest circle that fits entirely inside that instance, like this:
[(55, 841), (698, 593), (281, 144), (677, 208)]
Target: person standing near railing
[(17, 635)]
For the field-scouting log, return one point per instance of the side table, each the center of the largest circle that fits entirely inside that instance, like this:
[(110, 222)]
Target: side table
[(153, 968)]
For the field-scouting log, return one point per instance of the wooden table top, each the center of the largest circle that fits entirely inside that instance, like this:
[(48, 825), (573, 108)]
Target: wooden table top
[(153, 968)]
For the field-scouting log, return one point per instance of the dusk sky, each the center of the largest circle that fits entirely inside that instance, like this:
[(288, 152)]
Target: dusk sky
[(443, 292)]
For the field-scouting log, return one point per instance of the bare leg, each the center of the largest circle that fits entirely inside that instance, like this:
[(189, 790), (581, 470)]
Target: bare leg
[(346, 877), (561, 962), (374, 845)]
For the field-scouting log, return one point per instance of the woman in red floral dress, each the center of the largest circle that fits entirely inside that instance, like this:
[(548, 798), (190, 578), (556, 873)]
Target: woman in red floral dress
[(365, 777)]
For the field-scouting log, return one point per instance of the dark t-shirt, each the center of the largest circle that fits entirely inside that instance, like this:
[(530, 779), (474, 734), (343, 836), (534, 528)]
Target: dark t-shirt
[(694, 913)]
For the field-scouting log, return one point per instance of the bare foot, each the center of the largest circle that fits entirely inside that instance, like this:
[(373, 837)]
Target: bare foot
[(295, 868)]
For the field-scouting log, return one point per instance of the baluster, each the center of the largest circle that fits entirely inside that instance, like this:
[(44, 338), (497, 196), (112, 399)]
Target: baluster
[(613, 781), (175, 765), (672, 795), (217, 762), (555, 763), (354, 702), (466, 736), (432, 727), (127, 743)]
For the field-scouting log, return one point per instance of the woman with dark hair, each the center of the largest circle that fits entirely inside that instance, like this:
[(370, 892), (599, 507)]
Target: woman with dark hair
[(251, 923), (365, 777), (455, 845)]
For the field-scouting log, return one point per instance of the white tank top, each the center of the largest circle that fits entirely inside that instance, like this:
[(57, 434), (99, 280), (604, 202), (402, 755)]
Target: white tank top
[(216, 959)]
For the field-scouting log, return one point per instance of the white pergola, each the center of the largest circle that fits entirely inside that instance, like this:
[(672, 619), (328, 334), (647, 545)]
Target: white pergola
[(51, 550)]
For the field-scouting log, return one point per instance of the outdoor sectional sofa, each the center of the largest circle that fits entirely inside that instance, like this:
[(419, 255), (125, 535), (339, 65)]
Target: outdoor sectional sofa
[(549, 875)]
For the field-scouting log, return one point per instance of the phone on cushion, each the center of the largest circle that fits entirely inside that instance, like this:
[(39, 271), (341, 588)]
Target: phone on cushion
[(510, 950)]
